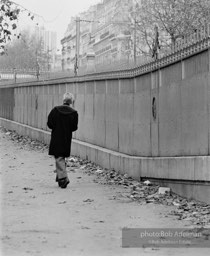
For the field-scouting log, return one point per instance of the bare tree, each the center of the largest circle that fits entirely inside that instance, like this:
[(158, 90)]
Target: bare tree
[(9, 15), (160, 23), (27, 52), (176, 18)]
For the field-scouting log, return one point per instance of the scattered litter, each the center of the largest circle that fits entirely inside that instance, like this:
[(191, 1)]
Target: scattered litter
[(176, 204), (63, 202), (163, 190), (27, 188), (25, 141), (73, 160), (88, 200), (147, 192), (99, 171), (147, 182), (85, 227), (72, 170)]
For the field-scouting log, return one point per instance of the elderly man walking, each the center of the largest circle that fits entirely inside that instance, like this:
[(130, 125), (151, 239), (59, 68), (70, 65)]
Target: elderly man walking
[(63, 120)]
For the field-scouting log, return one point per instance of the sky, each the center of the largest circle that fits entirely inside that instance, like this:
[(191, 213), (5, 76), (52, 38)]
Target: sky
[(55, 15)]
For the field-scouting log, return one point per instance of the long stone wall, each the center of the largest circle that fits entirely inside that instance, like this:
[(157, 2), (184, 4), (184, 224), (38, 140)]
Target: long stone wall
[(157, 119), (162, 113)]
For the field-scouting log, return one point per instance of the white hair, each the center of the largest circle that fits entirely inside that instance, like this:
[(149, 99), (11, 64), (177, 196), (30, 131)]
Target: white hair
[(68, 98)]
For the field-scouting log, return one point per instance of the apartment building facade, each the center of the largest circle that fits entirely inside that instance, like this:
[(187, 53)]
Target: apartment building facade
[(104, 31)]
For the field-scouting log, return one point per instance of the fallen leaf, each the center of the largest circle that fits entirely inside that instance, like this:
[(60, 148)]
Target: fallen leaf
[(28, 188), (85, 227), (64, 202), (88, 200)]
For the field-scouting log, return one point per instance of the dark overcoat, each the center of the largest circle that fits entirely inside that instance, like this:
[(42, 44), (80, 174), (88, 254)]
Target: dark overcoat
[(63, 120)]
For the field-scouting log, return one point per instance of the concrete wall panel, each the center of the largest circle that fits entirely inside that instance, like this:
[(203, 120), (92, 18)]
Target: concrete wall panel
[(62, 89), (115, 161), (112, 135), (112, 120), (25, 109), (103, 157), (45, 112), (70, 88), (40, 110), (126, 86), (50, 105), (142, 106), (99, 106), (141, 139), (99, 133), (201, 165), (126, 137), (126, 113), (171, 74), (170, 120), (99, 114), (56, 89), (143, 83), (194, 105), (112, 87), (7, 101), (208, 110), (22, 109), (80, 106), (58, 99), (89, 106), (196, 64), (194, 136), (90, 88), (17, 107), (141, 119), (46, 89), (88, 132), (14, 108), (100, 87), (126, 107), (30, 109), (182, 168)]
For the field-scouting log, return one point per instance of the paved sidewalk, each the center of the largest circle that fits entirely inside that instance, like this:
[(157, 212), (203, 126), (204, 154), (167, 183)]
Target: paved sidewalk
[(39, 218)]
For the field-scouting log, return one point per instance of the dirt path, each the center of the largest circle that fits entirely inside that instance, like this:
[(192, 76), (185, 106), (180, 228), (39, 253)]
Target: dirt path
[(39, 218)]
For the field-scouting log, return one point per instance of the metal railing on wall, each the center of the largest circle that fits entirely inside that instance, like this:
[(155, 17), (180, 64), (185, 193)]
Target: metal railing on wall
[(8, 76), (183, 48)]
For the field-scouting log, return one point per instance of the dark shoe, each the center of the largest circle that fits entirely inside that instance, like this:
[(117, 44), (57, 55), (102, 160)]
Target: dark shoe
[(63, 182)]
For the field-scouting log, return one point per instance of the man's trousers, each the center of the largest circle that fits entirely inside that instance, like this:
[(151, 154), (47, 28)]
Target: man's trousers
[(60, 164)]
